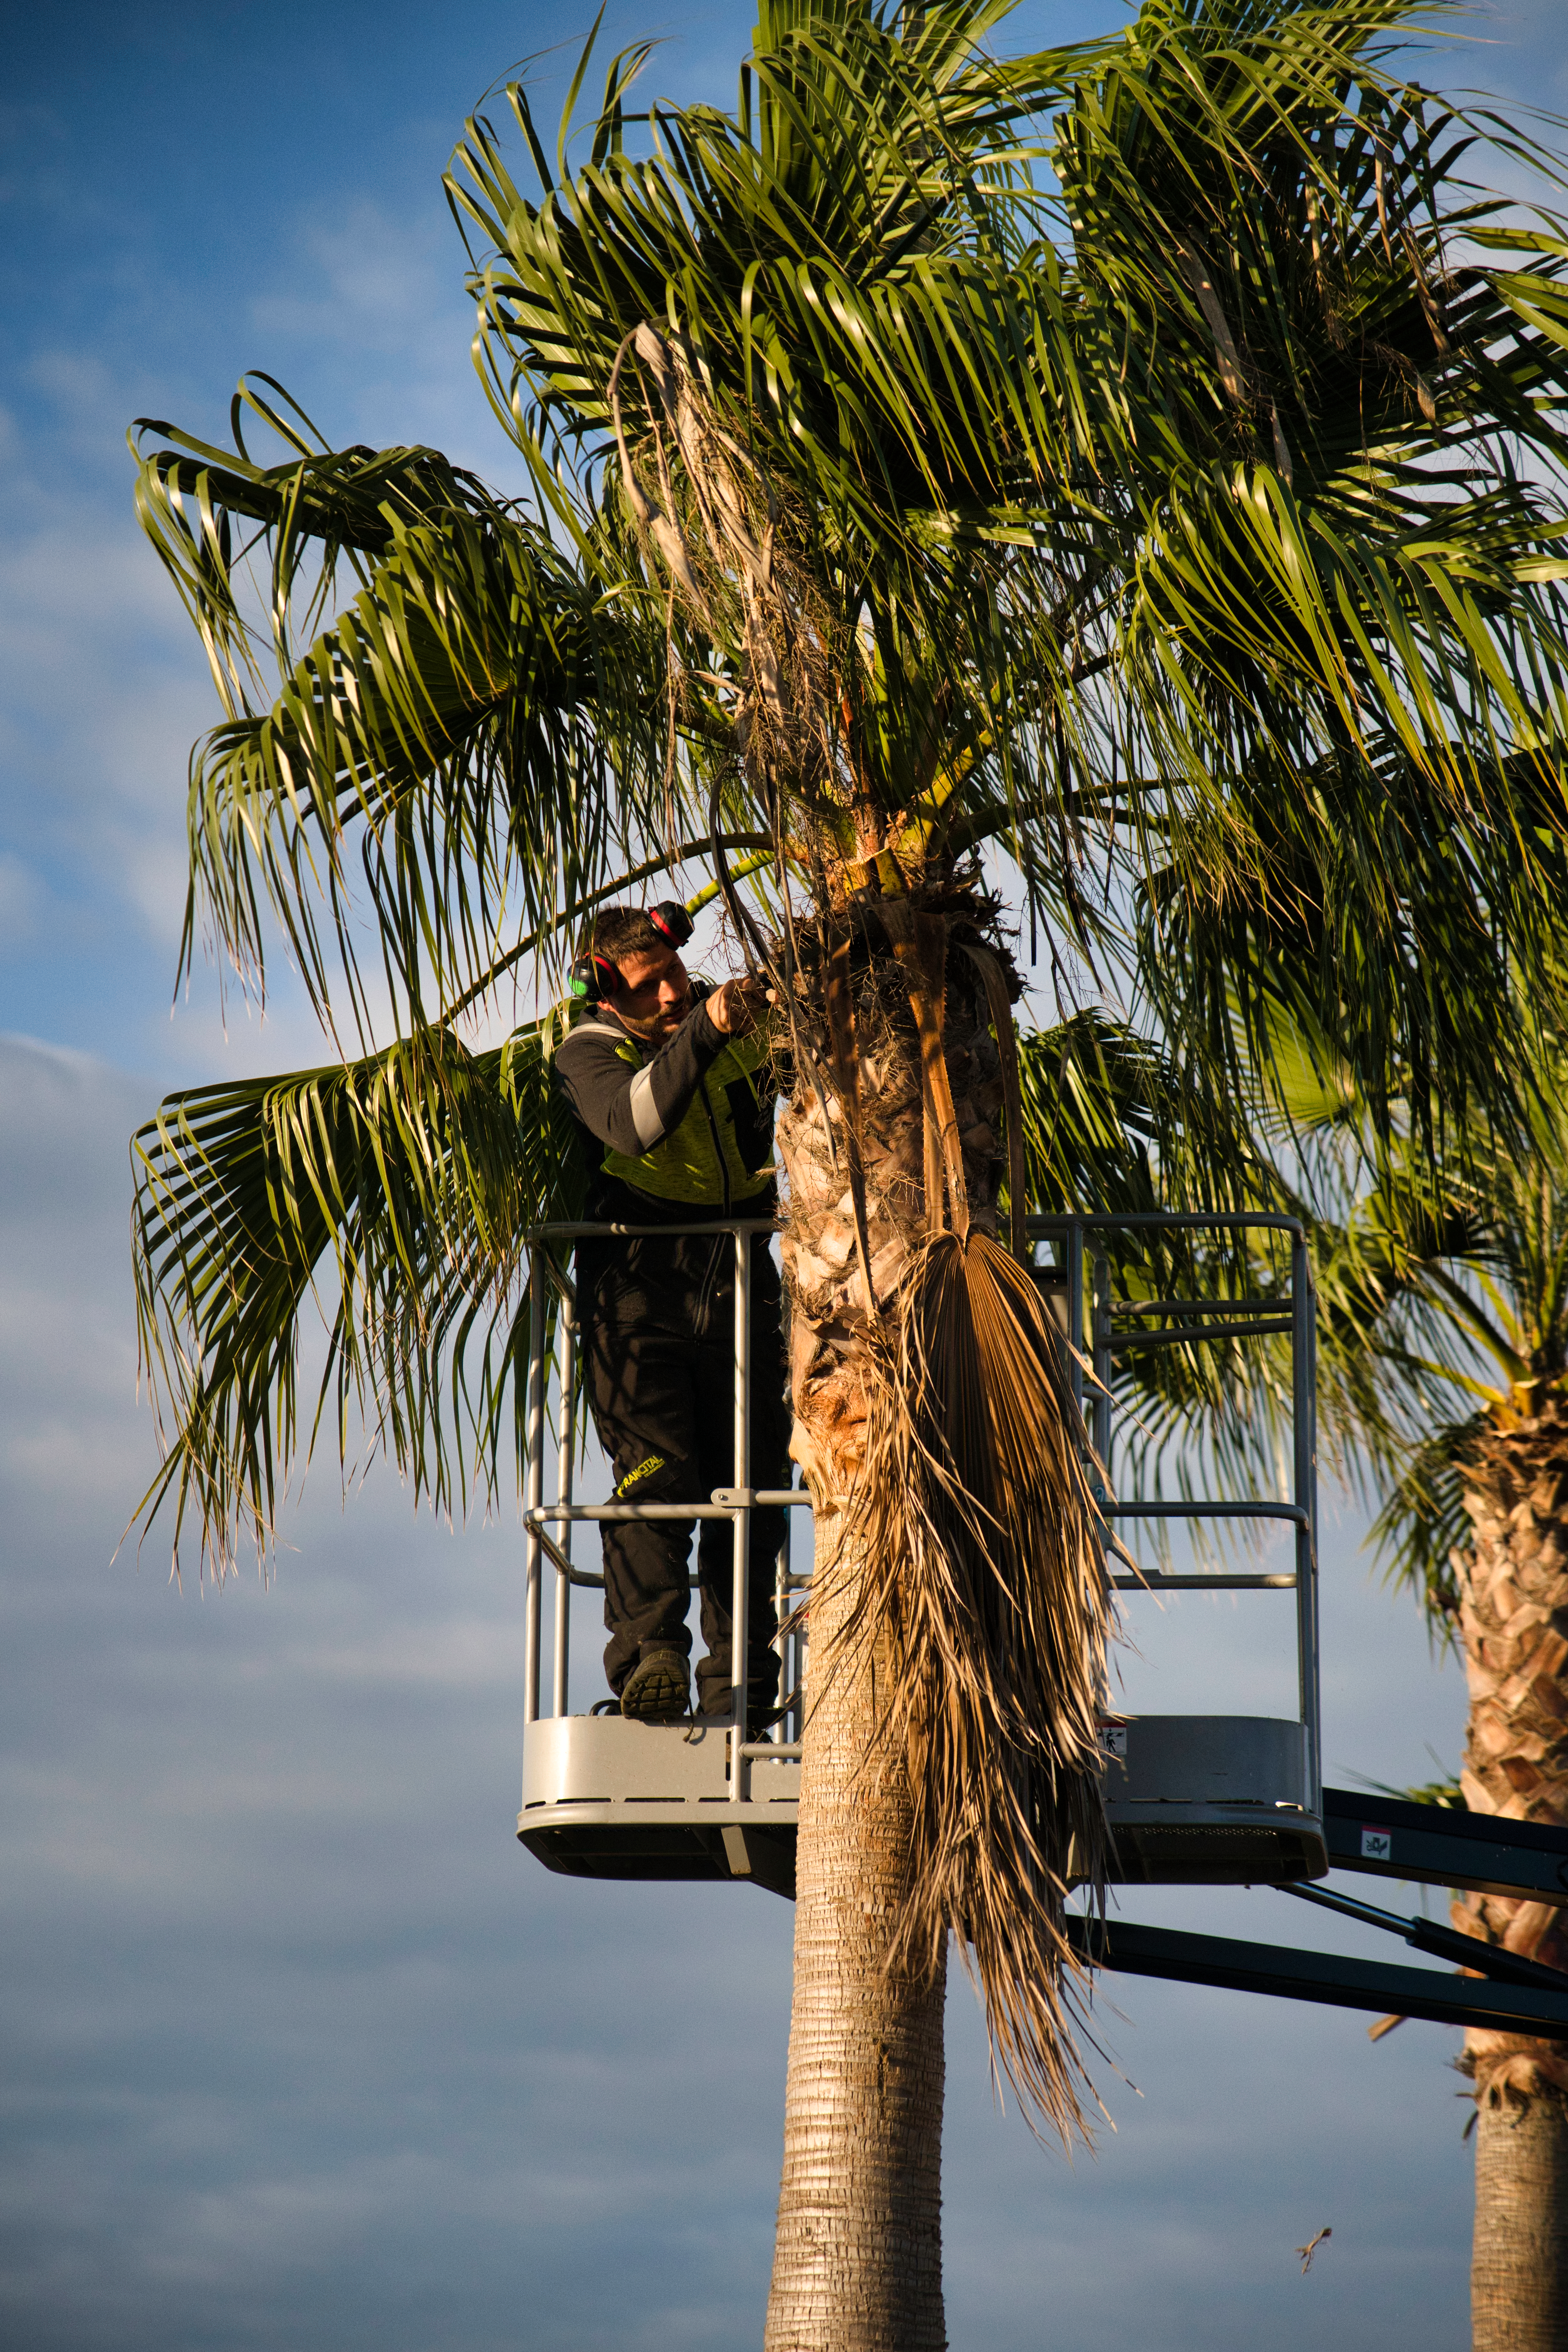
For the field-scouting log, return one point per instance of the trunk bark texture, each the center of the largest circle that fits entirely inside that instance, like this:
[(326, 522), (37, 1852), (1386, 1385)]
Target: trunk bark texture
[(1520, 2266), (858, 2266), (1513, 1586)]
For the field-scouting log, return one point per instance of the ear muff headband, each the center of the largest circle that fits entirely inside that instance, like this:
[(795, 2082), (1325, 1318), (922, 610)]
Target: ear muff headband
[(671, 921)]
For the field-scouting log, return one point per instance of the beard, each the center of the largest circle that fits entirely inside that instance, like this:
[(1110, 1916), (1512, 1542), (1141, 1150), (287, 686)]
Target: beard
[(661, 1025)]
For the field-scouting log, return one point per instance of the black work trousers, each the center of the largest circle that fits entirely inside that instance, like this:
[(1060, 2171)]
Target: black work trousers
[(658, 1320)]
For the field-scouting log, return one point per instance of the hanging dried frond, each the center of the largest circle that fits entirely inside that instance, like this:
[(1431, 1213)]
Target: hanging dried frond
[(722, 532), (986, 1583), (940, 1410)]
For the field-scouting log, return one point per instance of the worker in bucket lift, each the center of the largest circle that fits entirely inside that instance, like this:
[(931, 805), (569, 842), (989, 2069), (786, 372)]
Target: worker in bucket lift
[(668, 1078)]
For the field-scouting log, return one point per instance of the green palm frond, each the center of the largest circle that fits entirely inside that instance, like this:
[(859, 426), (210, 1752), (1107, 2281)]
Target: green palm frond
[(1447, 1792), (463, 709), (1262, 210), (1413, 944), (1127, 1132), (383, 1199), (851, 270), (318, 505), (841, 254), (1423, 1522), (1341, 560), (1459, 1330), (1111, 1123), (1442, 1292)]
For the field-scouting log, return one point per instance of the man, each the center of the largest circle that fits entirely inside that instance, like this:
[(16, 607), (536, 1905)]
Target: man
[(668, 1079)]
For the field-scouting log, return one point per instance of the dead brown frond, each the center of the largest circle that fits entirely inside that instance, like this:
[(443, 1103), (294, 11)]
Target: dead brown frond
[(985, 1584), (726, 536)]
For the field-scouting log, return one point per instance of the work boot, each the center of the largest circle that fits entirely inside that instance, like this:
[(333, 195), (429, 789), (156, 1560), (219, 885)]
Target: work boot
[(657, 1689)]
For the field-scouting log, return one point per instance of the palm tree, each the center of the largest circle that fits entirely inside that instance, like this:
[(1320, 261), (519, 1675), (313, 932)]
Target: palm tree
[(916, 533), (1451, 1302)]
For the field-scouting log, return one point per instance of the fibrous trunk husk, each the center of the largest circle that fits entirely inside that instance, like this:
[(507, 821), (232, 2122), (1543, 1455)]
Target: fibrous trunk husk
[(987, 1582), (938, 1417)]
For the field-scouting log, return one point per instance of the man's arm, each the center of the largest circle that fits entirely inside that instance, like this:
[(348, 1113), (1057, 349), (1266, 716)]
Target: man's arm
[(632, 1110)]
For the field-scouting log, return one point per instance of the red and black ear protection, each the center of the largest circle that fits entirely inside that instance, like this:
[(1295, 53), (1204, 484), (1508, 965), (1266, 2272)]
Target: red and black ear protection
[(594, 976), (671, 921)]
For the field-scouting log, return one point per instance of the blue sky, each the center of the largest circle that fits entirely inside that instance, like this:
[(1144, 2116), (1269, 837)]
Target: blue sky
[(300, 2048)]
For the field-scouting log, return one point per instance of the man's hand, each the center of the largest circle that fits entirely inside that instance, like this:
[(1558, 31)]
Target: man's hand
[(734, 1009)]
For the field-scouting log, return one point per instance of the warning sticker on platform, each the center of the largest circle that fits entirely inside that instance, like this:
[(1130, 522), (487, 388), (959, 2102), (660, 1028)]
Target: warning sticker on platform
[(1113, 1739), (1377, 1846)]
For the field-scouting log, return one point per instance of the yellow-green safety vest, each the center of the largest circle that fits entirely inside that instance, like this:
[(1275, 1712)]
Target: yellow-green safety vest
[(687, 1164)]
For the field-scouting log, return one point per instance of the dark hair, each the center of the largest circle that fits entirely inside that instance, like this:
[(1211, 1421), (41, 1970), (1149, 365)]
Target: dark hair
[(624, 931)]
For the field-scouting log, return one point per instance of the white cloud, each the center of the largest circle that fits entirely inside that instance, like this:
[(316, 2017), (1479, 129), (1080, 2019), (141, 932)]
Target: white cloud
[(371, 281)]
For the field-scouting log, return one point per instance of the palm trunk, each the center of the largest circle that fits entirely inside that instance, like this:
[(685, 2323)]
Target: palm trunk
[(1520, 2261), (857, 2265), (1513, 1583)]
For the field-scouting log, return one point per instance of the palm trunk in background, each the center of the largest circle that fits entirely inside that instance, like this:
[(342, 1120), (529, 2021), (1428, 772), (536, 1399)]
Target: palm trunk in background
[(1513, 1583), (857, 2265)]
